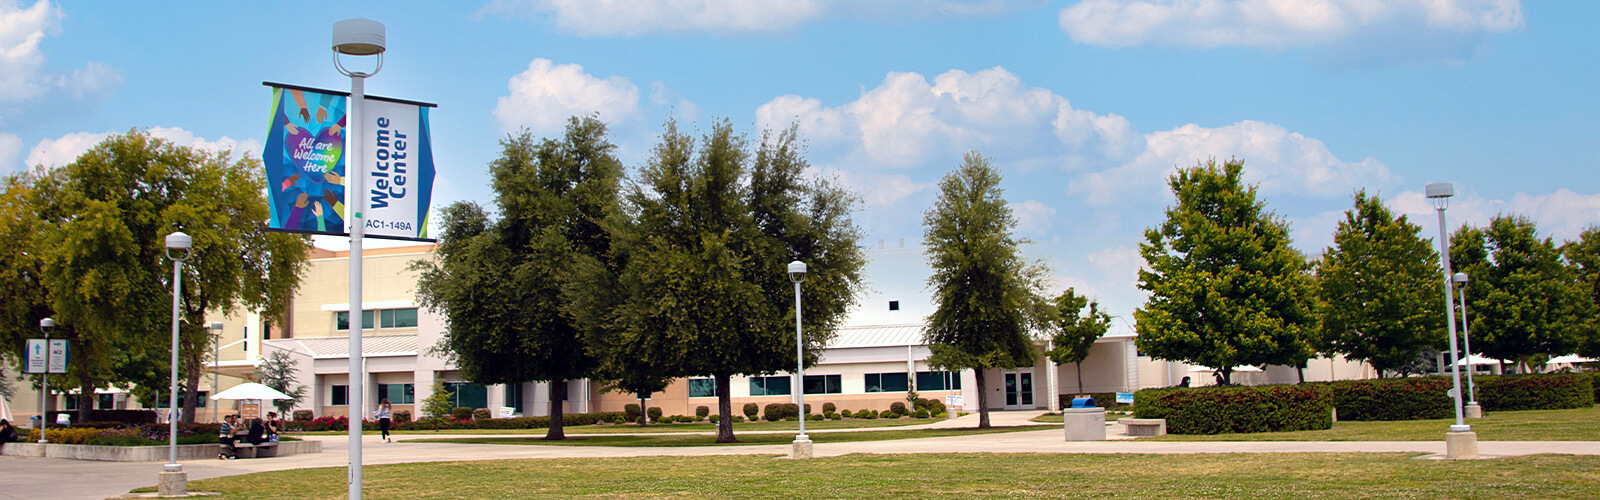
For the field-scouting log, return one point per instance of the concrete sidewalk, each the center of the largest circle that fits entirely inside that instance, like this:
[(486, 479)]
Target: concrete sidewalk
[(32, 478)]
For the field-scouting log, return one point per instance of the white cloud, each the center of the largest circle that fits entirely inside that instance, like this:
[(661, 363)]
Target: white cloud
[(1033, 217), (61, 151), (1562, 214), (1120, 265), (67, 148), (907, 120), (10, 147), (1280, 24), (546, 94), (23, 74), (877, 189), (640, 17), (1277, 160)]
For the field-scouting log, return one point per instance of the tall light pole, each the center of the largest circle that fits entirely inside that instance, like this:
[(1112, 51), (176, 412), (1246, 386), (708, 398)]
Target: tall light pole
[(1473, 410), (45, 325), (173, 480), (216, 362), (1460, 442), (802, 442), (356, 37)]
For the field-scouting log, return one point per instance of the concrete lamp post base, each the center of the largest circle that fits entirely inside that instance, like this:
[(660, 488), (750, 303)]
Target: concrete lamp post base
[(1461, 445), (802, 449), (174, 483), (1474, 411)]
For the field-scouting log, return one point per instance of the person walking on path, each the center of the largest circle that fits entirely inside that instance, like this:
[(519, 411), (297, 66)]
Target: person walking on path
[(382, 414)]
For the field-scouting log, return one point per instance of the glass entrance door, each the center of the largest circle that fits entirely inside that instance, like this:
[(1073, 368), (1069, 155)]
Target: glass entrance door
[(1019, 390)]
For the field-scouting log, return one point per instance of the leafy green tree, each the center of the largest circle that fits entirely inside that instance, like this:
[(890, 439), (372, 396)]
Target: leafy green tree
[(1523, 300), (437, 404), (97, 257), (1226, 289), (709, 233), (277, 370), (1379, 284), (989, 299), (1583, 261), (1074, 332), (499, 284)]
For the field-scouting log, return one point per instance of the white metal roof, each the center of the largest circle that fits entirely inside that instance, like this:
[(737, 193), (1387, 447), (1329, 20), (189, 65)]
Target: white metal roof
[(877, 336), (371, 345)]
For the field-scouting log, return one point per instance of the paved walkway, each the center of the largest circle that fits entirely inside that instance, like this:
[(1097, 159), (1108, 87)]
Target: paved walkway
[(35, 478)]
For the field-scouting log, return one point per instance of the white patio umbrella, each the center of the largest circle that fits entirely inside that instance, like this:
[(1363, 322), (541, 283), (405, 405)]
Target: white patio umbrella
[(1240, 368), (5, 410), (1476, 360), (1570, 358), (250, 390)]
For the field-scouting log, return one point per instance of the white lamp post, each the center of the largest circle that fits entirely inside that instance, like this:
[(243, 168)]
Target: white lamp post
[(1460, 442), (802, 442), (1473, 410), (45, 325), (356, 37), (173, 480), (216, 362)]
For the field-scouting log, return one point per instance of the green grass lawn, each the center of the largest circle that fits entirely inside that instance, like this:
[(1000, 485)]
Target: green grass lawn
[(1309, 475), (667, 428), (1533, 425), (744, 439)]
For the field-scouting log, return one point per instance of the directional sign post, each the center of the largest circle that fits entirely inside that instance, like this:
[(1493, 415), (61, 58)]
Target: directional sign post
[(58, 355), (36, 356)]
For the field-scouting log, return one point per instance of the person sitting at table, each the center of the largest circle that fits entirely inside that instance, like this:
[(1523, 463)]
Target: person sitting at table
[(7, 432), (257, 432), (272, 426), (225, 437)]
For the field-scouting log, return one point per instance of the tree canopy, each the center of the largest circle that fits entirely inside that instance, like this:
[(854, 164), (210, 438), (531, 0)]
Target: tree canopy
[(1226, 289), (499, 283), (1522, 299), (989, 299), (1379, 284), (1583, 260), (710, 229), (1074, 330)]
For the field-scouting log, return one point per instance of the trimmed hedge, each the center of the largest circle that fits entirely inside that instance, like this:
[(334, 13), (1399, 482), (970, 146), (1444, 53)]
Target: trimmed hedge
[(1535, 392), (1392, 398), (1232, 409)]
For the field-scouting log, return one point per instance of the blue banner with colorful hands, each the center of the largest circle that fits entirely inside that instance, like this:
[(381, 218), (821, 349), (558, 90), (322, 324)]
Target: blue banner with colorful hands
[(305, 162)]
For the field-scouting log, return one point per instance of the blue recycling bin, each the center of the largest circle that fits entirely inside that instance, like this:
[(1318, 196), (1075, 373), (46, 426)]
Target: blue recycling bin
[(1083, 402)]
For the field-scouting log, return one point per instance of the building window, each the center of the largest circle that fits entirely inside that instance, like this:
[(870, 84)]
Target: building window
[(161, 402), (245, 346), (702, 387), (887, 382), (894, 305), (341, 395), (464, 395), (822, 384), (770, 386), (514, 397), (938, 381), (398, 394), (387, 318)]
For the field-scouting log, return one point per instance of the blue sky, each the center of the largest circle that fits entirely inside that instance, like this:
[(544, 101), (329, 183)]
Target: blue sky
[(1086, 105)]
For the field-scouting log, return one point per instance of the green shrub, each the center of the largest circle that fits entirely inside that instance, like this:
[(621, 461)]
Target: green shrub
[(481, 414), (1535, 392), (750, 410), (808, 408), (814, 417), (932, 405), (631, 410), (836, 416), (829, 408), (304, 415), (700, 412), (844, 413), (1391, 399), (655, 413), (897, 408), (867, 414), (461, 413), (923, 413), (1594, 379), (737, 418), (1269, 408), (402, 416)]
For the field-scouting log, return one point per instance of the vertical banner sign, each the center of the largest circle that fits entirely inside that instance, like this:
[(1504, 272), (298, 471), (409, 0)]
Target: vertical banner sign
[(304, 159), (36, 356), (58, 356), (398, 168)]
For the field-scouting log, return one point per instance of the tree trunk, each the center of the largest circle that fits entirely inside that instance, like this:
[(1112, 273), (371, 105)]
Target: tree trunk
[(1227, 376), (558, 397), (191, 389), (644, 411), (85, 396), (983, 400), (1301, 370), (725, 408), (1080, 376)]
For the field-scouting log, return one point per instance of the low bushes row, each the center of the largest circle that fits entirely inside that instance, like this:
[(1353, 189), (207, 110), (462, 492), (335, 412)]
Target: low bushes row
[(1428, 397), (120, 434), (1230, 409)]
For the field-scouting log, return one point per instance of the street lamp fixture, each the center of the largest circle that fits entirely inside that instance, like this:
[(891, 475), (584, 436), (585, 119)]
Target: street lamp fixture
[(45, 325), (802, 442), (174, 481), (356, 37), (1460, 442), (1473, 410)]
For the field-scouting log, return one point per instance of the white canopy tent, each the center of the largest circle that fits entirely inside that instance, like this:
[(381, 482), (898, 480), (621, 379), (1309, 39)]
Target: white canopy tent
[(1236, 369), (1570, 358), (251, 390), (1477, 360)]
